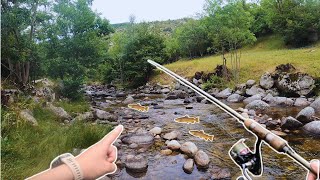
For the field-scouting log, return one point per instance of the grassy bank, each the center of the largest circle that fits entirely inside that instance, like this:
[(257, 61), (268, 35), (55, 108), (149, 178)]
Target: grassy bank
[(27, 150), (264, 55)]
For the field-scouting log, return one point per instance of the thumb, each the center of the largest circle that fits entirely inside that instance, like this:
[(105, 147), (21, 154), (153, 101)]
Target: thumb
[(112, 136)]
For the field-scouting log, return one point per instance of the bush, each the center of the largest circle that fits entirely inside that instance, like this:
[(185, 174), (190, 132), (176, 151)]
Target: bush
[(214, 82), (71, 88)]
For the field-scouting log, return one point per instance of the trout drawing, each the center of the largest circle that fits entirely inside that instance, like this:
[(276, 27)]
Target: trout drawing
[(202, 135), (187, 119), (138, 107)]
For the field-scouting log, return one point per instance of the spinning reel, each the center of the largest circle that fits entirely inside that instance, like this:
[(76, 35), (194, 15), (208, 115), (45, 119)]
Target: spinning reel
[(246, 159)]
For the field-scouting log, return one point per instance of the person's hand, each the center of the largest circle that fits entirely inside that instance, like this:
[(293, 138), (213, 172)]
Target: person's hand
[(99, 159), (315, 165)]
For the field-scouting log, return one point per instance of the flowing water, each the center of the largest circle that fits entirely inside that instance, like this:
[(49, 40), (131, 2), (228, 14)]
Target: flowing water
[(226, 130)]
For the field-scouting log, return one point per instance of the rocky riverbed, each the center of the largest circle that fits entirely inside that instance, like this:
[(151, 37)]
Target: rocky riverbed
[(153, 146)]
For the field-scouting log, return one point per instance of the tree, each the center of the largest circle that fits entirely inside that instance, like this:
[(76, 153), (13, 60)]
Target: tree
[(296, 20), (229, 29), (22, 23)]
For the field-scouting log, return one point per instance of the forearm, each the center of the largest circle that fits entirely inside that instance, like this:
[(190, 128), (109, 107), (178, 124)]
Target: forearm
[(62, 172)]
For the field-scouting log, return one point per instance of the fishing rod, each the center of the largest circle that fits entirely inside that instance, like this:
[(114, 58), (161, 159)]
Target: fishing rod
[(245, 159)]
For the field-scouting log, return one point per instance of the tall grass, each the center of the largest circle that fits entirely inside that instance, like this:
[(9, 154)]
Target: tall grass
[(265, 55), (27, 150)]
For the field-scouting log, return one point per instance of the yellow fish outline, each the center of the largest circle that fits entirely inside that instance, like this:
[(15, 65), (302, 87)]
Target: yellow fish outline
[(202, 135), (188, 119), (138, 107)]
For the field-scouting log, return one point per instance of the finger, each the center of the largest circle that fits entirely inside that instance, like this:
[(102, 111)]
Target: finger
[(112, 136), (315, 165), (112, 154), (111, 168)]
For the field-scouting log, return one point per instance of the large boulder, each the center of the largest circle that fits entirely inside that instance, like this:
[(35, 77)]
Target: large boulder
[(290, 123), (225, 93), (189, 148), (257, 105), (188, 166), (235, 98), (254, 90), (27, 116), (59, 111), (282, 101), (252, 98), (306, 115), (312, 128), (266, 81), (295, 84), (202, 159), (136, 163), (316, 104)]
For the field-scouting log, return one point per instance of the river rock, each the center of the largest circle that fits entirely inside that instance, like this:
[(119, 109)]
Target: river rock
[(202, 159), (171, 96), (59, 111), (165, 90), (138, 138), (219, 173), (266, 81), (250, 83), (316, 104), (235, 98), (189, 148), (128, 100), (27, 116), (282, 101), (312, 128), (180, 94), (252, 98), (171, 135), (188, 166), (240, 89), (133, 146), (268, 98), (100, 114), (301, 102), (166, 151), (225, 93), (257, 105), (121, 94), (254, 90), (290, 123), (156, 130), (305, 115), (174, 145), (136, 163)]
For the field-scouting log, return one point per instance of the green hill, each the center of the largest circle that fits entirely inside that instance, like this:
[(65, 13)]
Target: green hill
[(264, 55)]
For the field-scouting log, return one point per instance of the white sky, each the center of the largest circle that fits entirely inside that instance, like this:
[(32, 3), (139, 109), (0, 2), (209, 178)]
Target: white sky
[(118, 11)]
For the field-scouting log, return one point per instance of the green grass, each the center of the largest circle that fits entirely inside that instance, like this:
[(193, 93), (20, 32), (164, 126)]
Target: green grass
[(78, 106), (264, 55), (27, 150)]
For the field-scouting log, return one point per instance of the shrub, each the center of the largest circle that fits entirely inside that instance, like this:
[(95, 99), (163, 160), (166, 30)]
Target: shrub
[(214, 82)]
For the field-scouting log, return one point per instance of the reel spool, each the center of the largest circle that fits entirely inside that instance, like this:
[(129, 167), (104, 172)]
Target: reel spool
[(246, 159)]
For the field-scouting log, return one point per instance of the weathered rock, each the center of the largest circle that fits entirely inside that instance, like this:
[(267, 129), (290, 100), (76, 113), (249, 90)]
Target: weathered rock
[(316, 104), (268, 98), (59, 111), (174, 145), (189, 148), (273, 92), (180, 94), (257, 105), (312, 128), (195, 81), (27, 116), (201, 159), (136, 163), (240, 89), (235, 98), (165, 90), (213, 91), (225, 93), (138, 138), (250, 83), (219, 173), (187, 100), (266, 81), (171, 135), (282, 101), (305, 115), (133, 146), (100, 114), (290, 123), (128, 100), (301, 102), (166, 151), (156, 130), (121, 94), (271, 124), (177, 86), (171, 97), (254, 90), (252, 98), (295, 84), (84, 117), (188, 166)]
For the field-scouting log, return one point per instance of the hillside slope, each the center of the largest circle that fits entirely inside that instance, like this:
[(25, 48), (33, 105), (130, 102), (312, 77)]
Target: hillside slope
[(264, 55)]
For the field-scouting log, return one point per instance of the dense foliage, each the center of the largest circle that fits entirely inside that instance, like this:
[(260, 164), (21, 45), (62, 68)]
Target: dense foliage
[(68, 41)]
